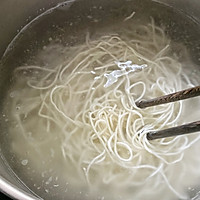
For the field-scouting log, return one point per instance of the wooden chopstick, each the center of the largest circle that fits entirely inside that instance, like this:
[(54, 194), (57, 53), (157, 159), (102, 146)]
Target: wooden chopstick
[(181, 95), (170, 132), (174, 131)]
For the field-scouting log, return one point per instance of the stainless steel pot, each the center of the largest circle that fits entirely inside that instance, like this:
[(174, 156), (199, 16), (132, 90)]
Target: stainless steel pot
[(14, 15)]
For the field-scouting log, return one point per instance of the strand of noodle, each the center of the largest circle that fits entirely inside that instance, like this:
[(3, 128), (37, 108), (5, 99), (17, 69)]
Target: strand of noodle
[(178, 115), (100, 139), (34, 67), (70, 63), (171, 188), (160, 157), (87, 39), (30, 140), (191, 143), (187, 80), (91, 163), (121, 143), (55, 106), (163, 51), (48, 86), (130, 16)]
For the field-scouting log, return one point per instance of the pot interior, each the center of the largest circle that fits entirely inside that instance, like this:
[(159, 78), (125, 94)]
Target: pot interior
[(37, 159)]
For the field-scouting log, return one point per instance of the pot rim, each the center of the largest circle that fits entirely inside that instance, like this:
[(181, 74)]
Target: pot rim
[(12, 191)]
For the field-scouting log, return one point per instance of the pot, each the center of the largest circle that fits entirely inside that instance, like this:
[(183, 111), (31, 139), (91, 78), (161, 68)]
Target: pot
[(14, 16)]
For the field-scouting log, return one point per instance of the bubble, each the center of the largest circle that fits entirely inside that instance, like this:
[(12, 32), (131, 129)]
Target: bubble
[(24, 162), (18, 107), (46, 190), (89, 17), (13, 94), (56, 185)]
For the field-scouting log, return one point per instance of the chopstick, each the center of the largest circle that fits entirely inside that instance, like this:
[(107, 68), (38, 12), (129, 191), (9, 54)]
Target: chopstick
[(181, 95), (174, 131)]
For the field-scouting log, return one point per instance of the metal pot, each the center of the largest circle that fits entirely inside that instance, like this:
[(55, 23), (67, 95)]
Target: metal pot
[(14, 15)]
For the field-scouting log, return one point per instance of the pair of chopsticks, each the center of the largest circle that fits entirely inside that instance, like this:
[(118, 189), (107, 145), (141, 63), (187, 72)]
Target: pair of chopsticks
[(178, 130)]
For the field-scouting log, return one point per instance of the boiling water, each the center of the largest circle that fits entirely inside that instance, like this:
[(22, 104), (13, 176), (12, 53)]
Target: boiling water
[(45, 43)]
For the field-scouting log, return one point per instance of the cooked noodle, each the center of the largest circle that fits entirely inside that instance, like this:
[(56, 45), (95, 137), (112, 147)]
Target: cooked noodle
[(103, 132)]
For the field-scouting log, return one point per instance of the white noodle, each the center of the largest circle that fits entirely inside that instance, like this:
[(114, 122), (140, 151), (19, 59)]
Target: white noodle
[(102, 129)]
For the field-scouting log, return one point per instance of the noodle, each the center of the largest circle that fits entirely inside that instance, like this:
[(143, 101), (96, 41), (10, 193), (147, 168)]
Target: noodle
[(103, 132)]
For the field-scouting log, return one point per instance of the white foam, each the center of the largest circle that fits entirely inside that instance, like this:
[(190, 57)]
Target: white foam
[(125, 68)]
